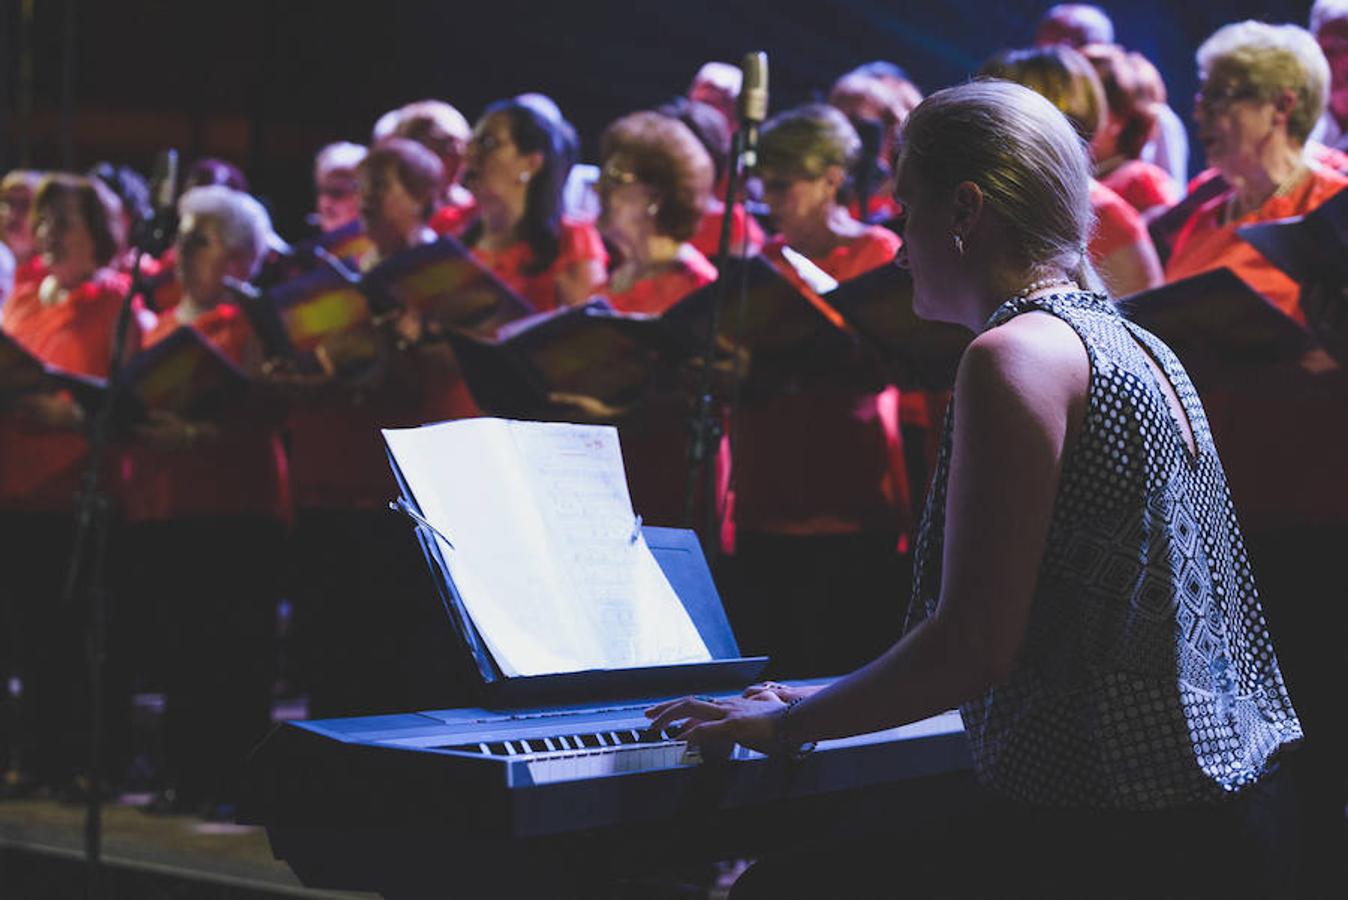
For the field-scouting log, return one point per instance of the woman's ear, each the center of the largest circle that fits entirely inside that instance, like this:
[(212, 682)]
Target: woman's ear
[(834, 176), (1283, 104), (533, 162), (967, 209)]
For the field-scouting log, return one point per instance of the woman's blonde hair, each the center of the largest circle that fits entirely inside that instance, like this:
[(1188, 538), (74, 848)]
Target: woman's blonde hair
[(809, 139), (1268, 59), (1033, 168), (1063, 75)]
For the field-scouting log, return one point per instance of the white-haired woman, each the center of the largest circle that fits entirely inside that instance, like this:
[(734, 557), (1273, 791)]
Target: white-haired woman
[(336, 187), (206, 503), (1081, 588), (1329, 24), (1263, 87)]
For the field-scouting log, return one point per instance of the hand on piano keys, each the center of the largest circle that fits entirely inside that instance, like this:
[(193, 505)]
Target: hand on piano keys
[(785, 692), (717, 725)]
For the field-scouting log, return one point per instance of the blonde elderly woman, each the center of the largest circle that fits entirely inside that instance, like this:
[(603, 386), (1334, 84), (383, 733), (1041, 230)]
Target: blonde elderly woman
[(1329, 24), (1263, 88), (206, 503), (1081, 587)]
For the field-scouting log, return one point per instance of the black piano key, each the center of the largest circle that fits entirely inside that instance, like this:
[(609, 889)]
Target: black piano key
[(589, 740)]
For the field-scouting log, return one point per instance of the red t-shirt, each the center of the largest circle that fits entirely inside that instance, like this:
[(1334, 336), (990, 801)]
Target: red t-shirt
[(827, 458), (1144, 185), (243, 472), (577, 242), (40, 468), (707, 238)]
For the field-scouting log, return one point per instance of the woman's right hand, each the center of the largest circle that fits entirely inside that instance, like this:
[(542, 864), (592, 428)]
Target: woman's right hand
[(784, 692)]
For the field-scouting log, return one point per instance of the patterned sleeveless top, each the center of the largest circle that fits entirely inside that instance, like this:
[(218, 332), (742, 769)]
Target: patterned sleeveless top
[(1147, 678)]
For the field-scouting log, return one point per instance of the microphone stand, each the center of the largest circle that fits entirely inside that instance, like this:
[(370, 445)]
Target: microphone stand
[(92, 525), (704, 428)]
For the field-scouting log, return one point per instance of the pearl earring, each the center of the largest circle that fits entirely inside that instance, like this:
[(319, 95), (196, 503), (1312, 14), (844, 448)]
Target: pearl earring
[(652, 209), (959, 243), (524, 178)]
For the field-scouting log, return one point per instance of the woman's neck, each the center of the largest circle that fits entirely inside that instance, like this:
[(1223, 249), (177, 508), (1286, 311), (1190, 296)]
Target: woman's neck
[(1277, 171), (646, 258), (70, 274), (501, 218), (190, 308), (820, 237)]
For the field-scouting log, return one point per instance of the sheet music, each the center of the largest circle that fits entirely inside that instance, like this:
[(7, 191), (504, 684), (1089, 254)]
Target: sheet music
[(541, 525), (819, 281)]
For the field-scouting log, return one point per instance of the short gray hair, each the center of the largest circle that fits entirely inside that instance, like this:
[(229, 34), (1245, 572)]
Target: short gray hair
[(342, 156), (1269, 59), (245, 227), (1326, 11)]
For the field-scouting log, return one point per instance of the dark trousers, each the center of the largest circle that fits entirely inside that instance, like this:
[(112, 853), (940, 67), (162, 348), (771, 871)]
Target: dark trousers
[(371, 634), (43, 651), (817, 605), (208, 586), (1299, 574), (1244, 848)]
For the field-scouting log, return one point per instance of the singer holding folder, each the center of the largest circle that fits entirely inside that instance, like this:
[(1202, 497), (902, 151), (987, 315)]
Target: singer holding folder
[(64, 311), (206, 505), (516, 166), (820, 487), (1081, 588)]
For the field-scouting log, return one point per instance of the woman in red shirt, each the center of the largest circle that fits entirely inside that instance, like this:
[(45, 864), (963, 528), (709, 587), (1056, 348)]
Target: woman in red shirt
[(353, 561), (64, 311), (820, 493), (653, 183), (206, 506), (516, 166)]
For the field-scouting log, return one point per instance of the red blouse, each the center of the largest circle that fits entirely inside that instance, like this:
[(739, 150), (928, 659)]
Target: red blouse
[(1144, 185), (1117, 223), (242, 472), (453, 218), (707, 238), (40, 467), (577, 242), (657, 294), (824, 459), (1205, 243)]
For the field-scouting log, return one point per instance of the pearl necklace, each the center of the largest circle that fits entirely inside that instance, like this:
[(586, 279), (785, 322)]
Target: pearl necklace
[(1043, 284)]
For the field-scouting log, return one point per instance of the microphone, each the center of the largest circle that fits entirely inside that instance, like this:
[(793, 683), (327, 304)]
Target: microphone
[(157, 234), (753, 101)]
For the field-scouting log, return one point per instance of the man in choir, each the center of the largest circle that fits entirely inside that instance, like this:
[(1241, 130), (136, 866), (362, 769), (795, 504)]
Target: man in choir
[(1329, 24), (207, 502), (718, 85), (1119, 245), (336, 189), (1282, 429), (1074, 24), (516, 166), (820, 489), (1125, 717), (63, 310)]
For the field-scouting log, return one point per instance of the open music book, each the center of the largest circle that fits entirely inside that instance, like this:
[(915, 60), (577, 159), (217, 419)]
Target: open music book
[(536, 530)]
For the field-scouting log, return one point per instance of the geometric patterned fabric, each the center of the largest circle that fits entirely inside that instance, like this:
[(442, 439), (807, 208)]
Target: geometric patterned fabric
[(1147, 679)]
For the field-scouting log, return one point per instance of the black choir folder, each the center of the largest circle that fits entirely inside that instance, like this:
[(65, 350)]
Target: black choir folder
[(1309, 248), (555, 589), (1215, 322)]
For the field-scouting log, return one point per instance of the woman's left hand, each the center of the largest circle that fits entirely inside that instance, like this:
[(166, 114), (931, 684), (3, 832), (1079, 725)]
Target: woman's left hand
[(716, 725)]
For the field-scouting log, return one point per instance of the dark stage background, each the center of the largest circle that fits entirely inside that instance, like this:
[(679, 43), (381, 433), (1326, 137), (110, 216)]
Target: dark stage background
[(266, 82)]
